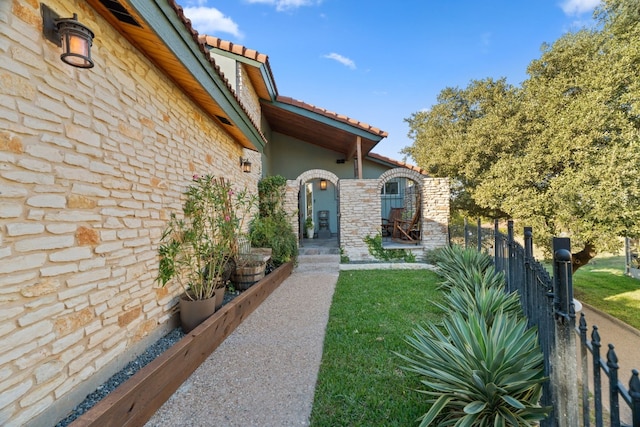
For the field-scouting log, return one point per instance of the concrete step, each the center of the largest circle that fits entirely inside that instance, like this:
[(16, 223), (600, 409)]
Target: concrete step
[(318, 263), (318, 251), (319, 259)]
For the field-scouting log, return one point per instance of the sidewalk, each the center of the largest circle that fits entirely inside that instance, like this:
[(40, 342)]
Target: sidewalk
[(264, 373), (626, 342)]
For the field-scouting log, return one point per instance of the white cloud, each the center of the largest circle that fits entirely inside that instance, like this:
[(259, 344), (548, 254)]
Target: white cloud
[(208, 20), (282, 5), (577, 7), (341, 59)]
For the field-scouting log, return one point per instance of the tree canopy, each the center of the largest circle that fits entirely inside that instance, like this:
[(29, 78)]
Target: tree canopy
[(561, 152)]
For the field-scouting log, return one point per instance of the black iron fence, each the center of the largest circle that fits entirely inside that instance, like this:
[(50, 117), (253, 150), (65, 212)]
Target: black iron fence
[(547, 301)]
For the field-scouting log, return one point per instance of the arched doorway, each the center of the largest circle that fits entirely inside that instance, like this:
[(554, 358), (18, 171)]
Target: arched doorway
[(401, 204), (319, 200)]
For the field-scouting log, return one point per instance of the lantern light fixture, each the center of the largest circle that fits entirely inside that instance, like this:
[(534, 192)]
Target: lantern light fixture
[(323, 184), (74, 38), (245, 164)]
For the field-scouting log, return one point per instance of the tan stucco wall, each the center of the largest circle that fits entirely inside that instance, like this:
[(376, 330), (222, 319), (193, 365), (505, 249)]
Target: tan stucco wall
[(91, 164)]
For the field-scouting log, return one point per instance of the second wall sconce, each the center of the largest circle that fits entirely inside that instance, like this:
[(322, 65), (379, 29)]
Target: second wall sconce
[(245, 164), (74, 38), (323, 184)]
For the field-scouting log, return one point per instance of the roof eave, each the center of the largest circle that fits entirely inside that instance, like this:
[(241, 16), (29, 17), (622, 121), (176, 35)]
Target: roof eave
[(162, 20)]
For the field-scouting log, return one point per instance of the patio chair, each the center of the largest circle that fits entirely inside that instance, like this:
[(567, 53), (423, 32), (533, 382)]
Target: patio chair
[(408, 230), (388, 223)]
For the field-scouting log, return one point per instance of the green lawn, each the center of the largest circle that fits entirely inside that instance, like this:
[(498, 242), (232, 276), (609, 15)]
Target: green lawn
[(603, 285), (360, 382)]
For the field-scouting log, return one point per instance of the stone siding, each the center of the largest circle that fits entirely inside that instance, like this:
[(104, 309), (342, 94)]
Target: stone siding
[(247, 94), (360, 210), (92, 162)]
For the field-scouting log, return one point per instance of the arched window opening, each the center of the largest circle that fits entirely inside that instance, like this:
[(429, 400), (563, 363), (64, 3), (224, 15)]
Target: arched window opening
[(401, 210)]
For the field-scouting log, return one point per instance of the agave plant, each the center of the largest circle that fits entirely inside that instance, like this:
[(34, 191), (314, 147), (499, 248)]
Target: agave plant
[(455, 258), (487, 301), (476, 375)]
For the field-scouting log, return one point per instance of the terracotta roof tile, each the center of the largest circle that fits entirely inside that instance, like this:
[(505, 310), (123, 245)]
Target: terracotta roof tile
[(238, 49), (397, 162), (332, 115), (204, 40), (203, 48)]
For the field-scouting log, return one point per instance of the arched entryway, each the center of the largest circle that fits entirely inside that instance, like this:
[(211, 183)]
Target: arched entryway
[(319, 200), (401, 202)]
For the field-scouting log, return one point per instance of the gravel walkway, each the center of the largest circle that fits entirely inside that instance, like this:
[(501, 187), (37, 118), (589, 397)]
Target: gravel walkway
[(264, 373)]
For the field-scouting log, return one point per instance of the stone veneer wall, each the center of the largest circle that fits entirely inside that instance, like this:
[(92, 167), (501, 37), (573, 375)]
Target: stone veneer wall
[(247, 93), (92, 162), (360, 214)]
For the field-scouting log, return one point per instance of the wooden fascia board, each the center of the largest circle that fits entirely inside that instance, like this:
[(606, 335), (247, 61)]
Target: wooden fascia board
[(181, 44), (328, 121), (266, 76)]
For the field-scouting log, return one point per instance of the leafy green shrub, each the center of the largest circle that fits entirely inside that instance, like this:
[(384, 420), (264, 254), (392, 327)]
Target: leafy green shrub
[(271, 228), (276, 233)]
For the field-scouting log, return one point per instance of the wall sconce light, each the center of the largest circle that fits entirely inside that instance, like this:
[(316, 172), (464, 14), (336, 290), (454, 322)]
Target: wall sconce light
[(74, 38), (245, 164), (323, 184)]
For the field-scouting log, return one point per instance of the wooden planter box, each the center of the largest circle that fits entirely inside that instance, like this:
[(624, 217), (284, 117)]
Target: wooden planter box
[(137, 399)]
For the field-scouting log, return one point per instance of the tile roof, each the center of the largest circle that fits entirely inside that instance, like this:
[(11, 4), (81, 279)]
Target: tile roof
[(332, 115), (264, 59), (203, 48), (240, 50), (397, 163)]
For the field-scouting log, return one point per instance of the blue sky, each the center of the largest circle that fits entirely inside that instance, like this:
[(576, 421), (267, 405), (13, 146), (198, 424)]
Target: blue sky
[(380, 61)]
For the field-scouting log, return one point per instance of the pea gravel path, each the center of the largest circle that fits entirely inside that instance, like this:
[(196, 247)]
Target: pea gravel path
[(264, 373)]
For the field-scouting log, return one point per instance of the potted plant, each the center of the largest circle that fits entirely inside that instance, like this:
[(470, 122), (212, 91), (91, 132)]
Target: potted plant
[(271, 229), (197, 249), (309, 227)]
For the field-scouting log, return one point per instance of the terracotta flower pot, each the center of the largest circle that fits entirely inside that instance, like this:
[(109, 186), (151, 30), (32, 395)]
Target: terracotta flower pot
[(219, 296), (194, 312)]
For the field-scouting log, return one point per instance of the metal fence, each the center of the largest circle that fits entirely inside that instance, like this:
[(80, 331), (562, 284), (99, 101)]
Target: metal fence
[(547, 301)]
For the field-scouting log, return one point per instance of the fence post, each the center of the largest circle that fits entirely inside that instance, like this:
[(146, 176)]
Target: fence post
[(627, 256), (510, 264), (564, 372), (614, 403), (584, 364), (479, 231), (634, 392), (466, 234), (597, 375)]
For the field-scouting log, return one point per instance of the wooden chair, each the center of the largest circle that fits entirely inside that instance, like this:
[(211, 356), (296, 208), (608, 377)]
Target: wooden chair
[(389, 223), (408, 230)]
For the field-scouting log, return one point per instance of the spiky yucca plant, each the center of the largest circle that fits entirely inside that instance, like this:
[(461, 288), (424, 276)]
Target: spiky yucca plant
[(476, 375), (486, 301), (481, 367), (455, 259)]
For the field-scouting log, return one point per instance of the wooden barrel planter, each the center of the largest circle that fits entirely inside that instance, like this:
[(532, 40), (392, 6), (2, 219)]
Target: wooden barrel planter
[(246, 275)]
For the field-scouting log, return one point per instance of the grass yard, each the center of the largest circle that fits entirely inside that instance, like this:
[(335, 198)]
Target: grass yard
[(360, 382), (602, 284)]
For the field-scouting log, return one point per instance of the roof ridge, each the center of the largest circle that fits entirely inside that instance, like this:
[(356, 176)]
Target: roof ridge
[(238, 49)]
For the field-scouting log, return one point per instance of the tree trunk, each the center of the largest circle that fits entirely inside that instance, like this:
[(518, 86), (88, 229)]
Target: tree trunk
[(583, 257)]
